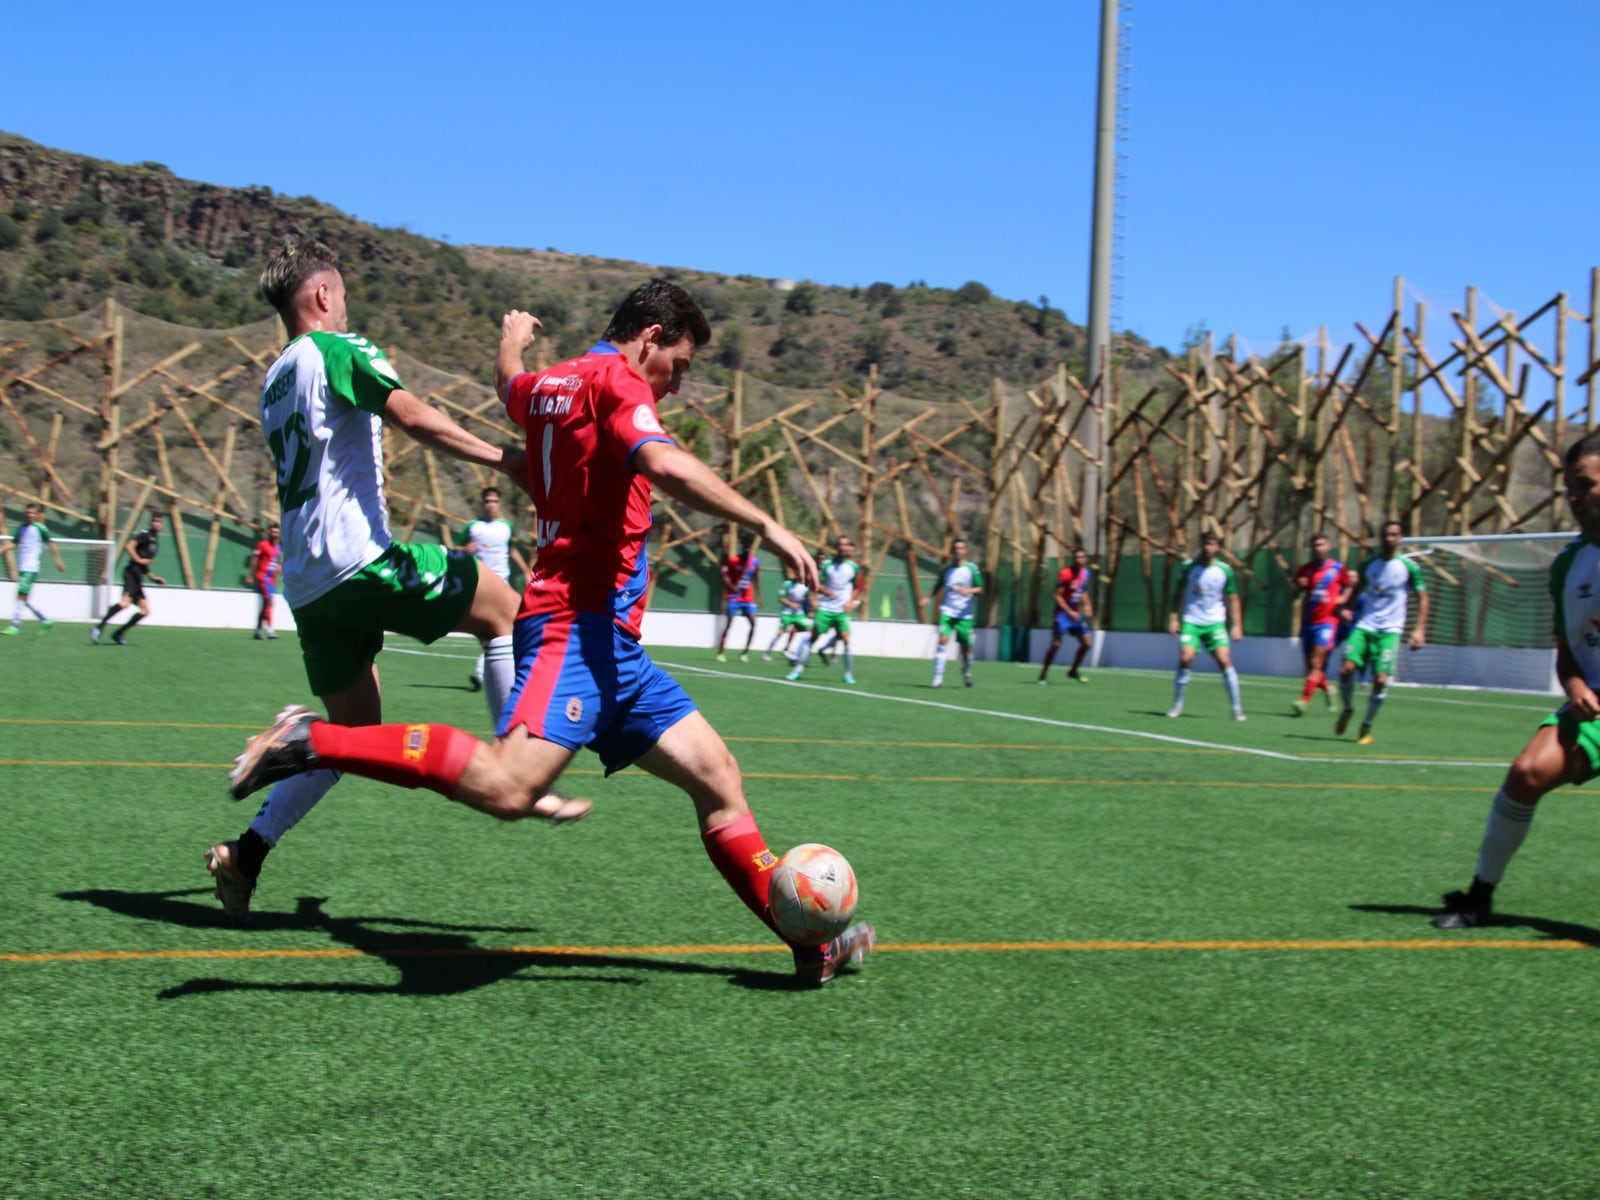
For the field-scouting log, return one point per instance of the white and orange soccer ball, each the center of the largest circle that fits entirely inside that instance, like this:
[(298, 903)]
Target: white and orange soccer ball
[(813, 894)]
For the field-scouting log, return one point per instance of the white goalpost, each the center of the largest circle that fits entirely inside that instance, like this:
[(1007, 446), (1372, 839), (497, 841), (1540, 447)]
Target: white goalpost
[(89, 563), (1490, 614)]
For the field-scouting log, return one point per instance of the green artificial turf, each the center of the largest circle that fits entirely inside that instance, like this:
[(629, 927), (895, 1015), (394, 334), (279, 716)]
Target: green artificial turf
[(1119, 957)]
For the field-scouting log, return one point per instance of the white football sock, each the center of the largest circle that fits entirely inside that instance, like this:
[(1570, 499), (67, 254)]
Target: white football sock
[(289, 801), (1180, 685), (1374, 703), (499, 669), (938, 663), (1230, 680), (1504, 834)]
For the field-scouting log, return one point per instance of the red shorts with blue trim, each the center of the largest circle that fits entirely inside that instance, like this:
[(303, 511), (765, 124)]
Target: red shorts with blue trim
[(582, 682)]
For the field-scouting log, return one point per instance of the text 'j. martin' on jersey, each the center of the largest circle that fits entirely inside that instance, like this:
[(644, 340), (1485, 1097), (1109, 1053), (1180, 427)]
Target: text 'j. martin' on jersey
[(584, 419), (322, 414), (1575, 588)]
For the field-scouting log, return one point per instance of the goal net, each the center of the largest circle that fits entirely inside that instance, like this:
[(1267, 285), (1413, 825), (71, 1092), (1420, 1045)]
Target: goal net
[(89, 562), (1490, 613)]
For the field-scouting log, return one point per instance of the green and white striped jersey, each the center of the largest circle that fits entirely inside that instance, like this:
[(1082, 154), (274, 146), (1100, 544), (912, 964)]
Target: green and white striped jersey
[(1204, 587), (322, 414), (1575, 588), (1384, 593)]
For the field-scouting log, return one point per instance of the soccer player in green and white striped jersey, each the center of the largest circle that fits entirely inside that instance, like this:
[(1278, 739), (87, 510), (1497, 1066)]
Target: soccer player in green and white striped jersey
[(1566, 746), (31, 539), (1206, 613), (1383, 587), (958, 589)]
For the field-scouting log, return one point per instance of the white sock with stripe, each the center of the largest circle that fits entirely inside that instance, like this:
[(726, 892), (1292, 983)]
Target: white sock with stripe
[(1502, 836), (499, 667)]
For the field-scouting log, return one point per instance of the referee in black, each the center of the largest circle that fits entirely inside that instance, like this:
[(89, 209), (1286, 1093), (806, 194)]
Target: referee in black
[(141, 549)]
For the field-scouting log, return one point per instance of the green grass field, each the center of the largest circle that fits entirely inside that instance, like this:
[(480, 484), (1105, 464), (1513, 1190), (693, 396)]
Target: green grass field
[(1120, 956)]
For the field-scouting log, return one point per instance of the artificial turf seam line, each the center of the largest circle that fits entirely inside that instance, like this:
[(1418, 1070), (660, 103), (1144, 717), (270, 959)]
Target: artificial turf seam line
[(963, 780), (1074, 947)]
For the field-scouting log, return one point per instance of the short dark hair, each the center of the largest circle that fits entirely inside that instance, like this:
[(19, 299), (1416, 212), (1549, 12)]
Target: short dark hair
[(293, 261), (489, 491), (1208, 536), (1588, 446), (1384, 528), (659, 302)]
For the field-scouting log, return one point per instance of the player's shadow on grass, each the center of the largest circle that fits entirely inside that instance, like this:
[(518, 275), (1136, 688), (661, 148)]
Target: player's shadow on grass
[(432, 958), (1556, 931)]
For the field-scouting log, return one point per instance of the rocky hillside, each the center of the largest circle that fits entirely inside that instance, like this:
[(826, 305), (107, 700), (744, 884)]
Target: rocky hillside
[(74, 230)]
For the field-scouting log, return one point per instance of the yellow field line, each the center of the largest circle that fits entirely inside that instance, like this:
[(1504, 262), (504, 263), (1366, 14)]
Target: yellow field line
[(837, 777), (1050, 947)]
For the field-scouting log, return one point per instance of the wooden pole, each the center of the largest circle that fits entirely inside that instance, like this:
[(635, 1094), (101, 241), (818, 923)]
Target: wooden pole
[(215, 533), (1418, 461), (1556, 481)]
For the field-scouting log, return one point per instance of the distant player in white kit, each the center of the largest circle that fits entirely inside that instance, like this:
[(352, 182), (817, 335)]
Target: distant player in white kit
[(958, 589), (1206, 613), (842, 587), (1383, 587), (489, 538), (794, 616), (32, 537), (1566, 746)]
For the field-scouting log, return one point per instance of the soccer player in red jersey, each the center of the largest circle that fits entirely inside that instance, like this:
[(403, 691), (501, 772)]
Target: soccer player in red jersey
[(1074, 611), (1327, 585), (739, 578), (595, 451), (263, 571)]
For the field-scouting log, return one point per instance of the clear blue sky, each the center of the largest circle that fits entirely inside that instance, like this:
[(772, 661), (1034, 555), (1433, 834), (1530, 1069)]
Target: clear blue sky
[(1286, 160)]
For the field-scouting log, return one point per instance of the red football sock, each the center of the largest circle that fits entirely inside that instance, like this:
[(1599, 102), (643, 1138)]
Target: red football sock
[(1314, 681), (411, 756), (738, 850)]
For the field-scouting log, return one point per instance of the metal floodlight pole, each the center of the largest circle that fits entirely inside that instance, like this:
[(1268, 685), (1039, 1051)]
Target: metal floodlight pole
[(1098, 364)]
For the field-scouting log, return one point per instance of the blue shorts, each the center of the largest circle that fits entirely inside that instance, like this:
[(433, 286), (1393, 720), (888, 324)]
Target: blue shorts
[(581, 682), (741, 608), (1065, 625), (1319, 637)]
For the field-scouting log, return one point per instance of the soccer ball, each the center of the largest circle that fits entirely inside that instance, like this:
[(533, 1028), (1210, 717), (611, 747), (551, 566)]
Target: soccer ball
[(813, 894)]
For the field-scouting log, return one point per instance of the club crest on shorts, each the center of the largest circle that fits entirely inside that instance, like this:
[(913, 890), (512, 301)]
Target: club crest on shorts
[(416, 743), (575, 710)]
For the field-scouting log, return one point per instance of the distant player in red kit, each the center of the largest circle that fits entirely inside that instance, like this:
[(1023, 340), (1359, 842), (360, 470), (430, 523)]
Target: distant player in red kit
[(739, 577), (1074, 612), (1327, 584), (263, 572), (595, 451)]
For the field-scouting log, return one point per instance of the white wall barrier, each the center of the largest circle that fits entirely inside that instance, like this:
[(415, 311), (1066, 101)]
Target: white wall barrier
[(1461, 666)]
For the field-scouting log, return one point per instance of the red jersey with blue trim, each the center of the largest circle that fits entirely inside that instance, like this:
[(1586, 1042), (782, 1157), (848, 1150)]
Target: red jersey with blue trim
[(739, 578), (1073, 582), (267, 558), (1323, 583), (584, 419)]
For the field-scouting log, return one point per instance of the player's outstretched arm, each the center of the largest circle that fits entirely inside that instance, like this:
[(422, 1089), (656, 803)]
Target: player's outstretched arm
[(688, 480), (516, 335), (1419, 634), (423, 423)]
